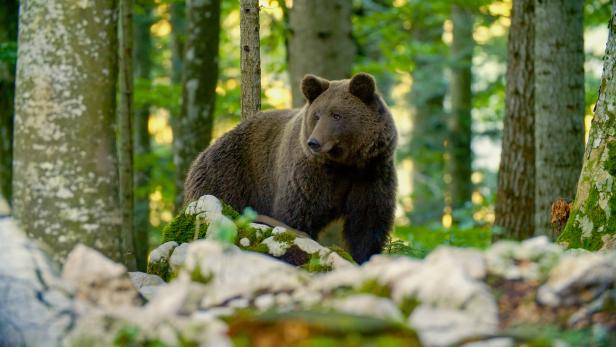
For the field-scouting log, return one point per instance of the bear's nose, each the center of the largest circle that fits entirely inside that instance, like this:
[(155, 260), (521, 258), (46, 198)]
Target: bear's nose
[(314, 144)]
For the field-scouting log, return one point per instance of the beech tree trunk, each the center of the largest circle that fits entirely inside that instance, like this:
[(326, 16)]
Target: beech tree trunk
[(320, 42), (178, 39), (125, 133), (250, 58), (559, 104), (515, 197), (427, 145), (460, 131), (142, 146), (592, 222), (8, 34), (193, 129), (66, 191)]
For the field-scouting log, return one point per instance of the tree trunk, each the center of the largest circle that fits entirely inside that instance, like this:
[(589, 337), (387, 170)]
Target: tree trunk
[(125, 133), (460, 131), (429, 124), (559, 104), (320, 42), (142, 146), (592, 223), (178, 39), (8, 34), (194, 126), (250, 58), (66, 192), (515, 197)]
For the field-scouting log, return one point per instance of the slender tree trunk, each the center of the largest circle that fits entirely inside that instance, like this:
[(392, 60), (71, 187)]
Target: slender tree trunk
[(592, 223), (320, 42), (559, 104), (515, 197), (194, 126), (178, 39), (460, 153), (429, 124), (125, 133), (142, 146), (66, 191), (8, 34), (250, 58)]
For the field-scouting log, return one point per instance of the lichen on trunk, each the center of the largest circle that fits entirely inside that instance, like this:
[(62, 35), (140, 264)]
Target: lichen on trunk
[(592, 224)]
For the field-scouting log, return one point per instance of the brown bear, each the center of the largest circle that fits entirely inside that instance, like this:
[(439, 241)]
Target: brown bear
[(307, 167)]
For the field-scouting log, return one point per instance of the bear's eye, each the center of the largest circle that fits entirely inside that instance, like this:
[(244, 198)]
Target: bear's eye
[(316, 116), (336, 116)]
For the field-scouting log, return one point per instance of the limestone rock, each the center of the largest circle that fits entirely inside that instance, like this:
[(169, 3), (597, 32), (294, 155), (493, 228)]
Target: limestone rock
[(368, 305), (531, 259), (178, 257), (98, 280), (579, 279), (158, 262)]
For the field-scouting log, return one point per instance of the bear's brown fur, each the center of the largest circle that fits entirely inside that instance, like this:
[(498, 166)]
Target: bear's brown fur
[(266, 163)]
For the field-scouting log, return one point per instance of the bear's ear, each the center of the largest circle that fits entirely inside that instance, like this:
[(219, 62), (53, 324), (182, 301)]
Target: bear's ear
[(313, 86), (363, 86)]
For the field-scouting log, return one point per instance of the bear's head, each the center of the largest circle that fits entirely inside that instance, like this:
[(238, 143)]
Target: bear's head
[(346, 121)]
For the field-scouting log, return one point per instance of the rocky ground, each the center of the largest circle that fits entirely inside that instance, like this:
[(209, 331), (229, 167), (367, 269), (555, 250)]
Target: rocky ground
[(237, 283)]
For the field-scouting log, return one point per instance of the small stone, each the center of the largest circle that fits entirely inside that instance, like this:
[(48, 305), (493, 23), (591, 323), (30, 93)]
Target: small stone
[(98, 280), (162, 252), (265, 301), (206, 203), (142, 279), (578, 279), (276, 248), (368, 305), (178, 257), (278, 230), (244, 242)]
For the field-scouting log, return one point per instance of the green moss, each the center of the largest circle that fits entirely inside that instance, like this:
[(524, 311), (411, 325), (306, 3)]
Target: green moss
[(161, 269), (181, 229), (375, 288), (342, 252), (610, 163), (315, 265), (408, 305), (286, 237), (259, 248), (572, 233), (197, 276), (228, 211)]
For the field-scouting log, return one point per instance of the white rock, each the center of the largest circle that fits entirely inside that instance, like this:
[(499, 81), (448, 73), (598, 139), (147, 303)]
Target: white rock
[(367, 305), (276, 248), (142, 279), (259, 226), (266, 301), (235, 273), (178, 257), (162, 252), (97, 279), (309, 246), (278, 230), (469, 260), (443, 327), (149, 292), (592, 272), (206, 203), (530, 259), (244, 242), (179, 296)]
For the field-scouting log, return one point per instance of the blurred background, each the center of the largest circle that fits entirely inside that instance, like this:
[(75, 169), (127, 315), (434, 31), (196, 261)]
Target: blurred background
[(408, 45)]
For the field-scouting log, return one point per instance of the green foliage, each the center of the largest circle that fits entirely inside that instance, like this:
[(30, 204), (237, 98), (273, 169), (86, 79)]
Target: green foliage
[(130, 336), (182, 229), (315, 265), (422, 240), (8, 52)]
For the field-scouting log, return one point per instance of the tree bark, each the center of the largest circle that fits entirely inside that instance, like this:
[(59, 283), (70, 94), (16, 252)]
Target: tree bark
[(592, 223), (8, 34), (460, 131), (515, 196), (427, 144), (194, 126), (125, 133), (178, 39), (66, 191), (559, 104), (320, 42), (142, 145), (250, 58)]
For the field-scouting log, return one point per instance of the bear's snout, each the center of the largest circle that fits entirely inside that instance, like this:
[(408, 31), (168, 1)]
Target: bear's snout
[(314, 145)]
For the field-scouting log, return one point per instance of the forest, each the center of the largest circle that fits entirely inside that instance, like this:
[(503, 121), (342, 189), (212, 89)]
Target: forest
[(485, 214)]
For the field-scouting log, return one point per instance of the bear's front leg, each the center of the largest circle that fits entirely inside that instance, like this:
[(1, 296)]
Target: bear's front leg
[(369, 214)]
